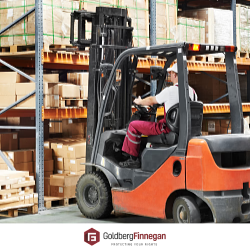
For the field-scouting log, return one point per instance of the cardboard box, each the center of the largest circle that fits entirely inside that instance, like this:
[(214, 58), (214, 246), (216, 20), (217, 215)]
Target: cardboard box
[(63, 185), (23, 89), (35, 197), (28, 103), (63, 180), (55, 127), (5, 101), (78, 173), (26, 88), (74, 165), (51, 101), (211, 126), (25, 166), (8, 77), (49, 166), (51, 78), (84, 92), (72, 127), (27, 143), (59, 163), (46, 186), (23, 121), (7, 89), (75, 151), (18, 156), (8, 141), (47, 144), (48, 174), (78, 78), (69, 91), (47, 154), (225, 123), (3, 166), (65, 192), (57, 149)]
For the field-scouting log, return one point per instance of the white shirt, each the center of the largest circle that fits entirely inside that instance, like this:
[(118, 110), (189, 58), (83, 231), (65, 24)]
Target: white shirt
[(170, 96)]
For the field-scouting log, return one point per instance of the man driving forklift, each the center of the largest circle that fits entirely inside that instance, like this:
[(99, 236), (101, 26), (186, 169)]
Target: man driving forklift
[(170, 97)]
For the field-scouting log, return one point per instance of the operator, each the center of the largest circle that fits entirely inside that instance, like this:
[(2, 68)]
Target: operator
[(169, 96)]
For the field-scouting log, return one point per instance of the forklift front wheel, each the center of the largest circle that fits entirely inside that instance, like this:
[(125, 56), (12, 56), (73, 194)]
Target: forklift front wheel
[(186, 210), (93, 195)]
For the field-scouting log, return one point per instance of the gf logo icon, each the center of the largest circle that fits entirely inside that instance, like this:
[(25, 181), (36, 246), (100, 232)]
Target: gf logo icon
[(91, 236)]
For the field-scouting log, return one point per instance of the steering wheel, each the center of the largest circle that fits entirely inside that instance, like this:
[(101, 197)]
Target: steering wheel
[(145, 111)]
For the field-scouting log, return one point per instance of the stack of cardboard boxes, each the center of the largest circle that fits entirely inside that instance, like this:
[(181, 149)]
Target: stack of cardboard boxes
[(63, 185), (50, 90), (166, 21), (56, 22), (14, 87), (22, 160), (68, 156), (82, 80)]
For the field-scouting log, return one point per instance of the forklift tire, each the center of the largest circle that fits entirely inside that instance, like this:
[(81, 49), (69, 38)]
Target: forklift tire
[(186, 210), (93, 195)]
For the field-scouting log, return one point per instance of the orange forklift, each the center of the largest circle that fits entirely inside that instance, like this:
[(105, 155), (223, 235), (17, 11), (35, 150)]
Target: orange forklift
[(183, 175)]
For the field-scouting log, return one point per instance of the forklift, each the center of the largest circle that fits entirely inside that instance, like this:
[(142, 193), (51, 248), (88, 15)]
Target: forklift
[(183, 175)]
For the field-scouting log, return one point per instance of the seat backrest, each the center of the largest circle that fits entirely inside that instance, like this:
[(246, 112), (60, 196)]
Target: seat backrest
[(196, 118), (173, 118)]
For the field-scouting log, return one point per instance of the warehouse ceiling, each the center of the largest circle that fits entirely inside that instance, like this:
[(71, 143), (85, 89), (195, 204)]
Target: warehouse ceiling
[(193, 4)]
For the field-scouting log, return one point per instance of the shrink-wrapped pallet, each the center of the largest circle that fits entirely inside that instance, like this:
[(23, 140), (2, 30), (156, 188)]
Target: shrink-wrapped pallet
[(190, 30), (56, 22), (90, 5), (243, 27), (166, 21), (138, 11), (218, 28), (219, 24)]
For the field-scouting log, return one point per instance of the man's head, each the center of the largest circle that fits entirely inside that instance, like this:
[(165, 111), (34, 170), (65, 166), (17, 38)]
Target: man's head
[(173, 72)]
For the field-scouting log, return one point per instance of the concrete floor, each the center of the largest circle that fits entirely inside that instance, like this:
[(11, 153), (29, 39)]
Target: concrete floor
[(71, 214)]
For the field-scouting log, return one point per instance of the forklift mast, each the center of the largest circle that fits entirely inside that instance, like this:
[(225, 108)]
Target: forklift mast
[(111, 35)]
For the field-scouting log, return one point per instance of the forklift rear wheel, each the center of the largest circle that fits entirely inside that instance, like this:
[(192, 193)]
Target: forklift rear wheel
[(186, 210), (93, 195)]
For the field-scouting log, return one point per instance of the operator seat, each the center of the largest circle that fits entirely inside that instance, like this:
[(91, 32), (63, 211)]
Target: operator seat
[(173, 122)]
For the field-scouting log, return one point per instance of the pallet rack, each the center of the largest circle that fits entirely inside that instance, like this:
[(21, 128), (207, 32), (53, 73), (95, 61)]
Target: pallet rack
[(40, 60)]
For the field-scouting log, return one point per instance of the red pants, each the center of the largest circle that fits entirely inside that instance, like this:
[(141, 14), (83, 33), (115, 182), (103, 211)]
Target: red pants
[(131, 144)]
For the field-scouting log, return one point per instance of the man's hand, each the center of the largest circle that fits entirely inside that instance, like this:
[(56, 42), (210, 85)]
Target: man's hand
[(151, 100), (138, 101)]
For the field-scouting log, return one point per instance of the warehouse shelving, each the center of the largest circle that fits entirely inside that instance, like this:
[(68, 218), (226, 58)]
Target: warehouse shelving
[(39, 60)]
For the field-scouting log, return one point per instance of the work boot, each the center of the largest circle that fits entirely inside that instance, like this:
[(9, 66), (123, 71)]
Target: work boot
[(130, 163)]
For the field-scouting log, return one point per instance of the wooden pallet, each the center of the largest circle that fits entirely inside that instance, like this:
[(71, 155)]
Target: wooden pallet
[(22, 209), (56, 47), (242, 54), (51, 202), (71, 103), (16, 48), (199, 58), (215, 59), (23, 50)]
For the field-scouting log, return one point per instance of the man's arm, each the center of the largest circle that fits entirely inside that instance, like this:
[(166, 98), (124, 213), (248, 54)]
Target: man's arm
[(151, 100)]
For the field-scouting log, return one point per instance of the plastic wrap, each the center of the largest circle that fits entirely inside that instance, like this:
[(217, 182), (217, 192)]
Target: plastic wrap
[(166, 21), (243, 28), (190, 30), (56, 22)]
